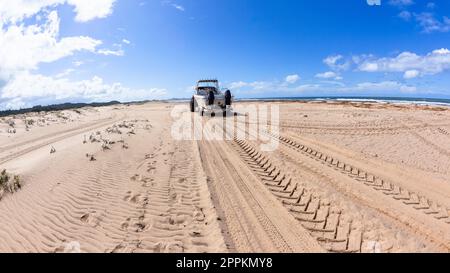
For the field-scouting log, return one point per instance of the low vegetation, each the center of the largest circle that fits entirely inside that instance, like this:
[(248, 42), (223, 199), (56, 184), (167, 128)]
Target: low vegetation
[(9, 183), (56, 107)]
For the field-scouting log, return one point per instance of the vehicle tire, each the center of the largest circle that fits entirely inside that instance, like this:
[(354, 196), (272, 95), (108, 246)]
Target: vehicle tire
[(211, 98), (192, 105), (228, 98), (225, 114), (213, 114), (202, 113)]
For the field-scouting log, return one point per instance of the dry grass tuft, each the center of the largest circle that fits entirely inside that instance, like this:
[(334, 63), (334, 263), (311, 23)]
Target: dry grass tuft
[(9, 185)]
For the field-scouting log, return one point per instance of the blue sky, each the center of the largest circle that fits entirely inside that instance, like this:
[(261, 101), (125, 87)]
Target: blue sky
[(54, 51)]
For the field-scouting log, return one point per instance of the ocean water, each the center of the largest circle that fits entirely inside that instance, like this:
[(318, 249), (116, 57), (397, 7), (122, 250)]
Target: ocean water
[(394, 100)]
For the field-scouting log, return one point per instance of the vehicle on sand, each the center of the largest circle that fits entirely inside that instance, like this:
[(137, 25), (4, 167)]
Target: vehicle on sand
[(209, 99)]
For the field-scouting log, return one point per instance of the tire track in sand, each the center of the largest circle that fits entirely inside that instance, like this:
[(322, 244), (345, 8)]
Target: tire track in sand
[(389, 188), (338, 222), (255, 220), (320, 218)]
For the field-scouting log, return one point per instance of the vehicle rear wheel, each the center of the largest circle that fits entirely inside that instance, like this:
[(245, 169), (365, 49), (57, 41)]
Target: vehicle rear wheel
[(192, 105), (228, 98)]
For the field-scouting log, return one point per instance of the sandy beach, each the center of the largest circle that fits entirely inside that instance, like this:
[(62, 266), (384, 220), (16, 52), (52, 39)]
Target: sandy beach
[(346, 178)]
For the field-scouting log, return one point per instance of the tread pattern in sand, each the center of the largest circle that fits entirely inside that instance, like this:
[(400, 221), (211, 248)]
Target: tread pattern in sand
[(321, 219), (409, 198)]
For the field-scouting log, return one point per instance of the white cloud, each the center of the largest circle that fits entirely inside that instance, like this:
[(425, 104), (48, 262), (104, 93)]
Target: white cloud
[(430, 23), (264, 86), (178, 7), (25, 47), (291, 79), (335, 62), (91, 9), (331, 60), (411, 74), (385, 86), (173, 4), (86, 10), (257, 87), (17, 10), (26, 88), (329, 75), (328, 88), (286, 87), (125, 41), (442, 51), (415, 65), (108, 52), (238, 85), (369, 67)]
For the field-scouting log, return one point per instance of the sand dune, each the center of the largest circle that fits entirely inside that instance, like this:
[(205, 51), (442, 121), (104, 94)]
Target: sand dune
[(345, 178)]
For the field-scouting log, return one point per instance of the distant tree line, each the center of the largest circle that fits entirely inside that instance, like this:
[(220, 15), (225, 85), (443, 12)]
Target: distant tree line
[(56, 107)]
